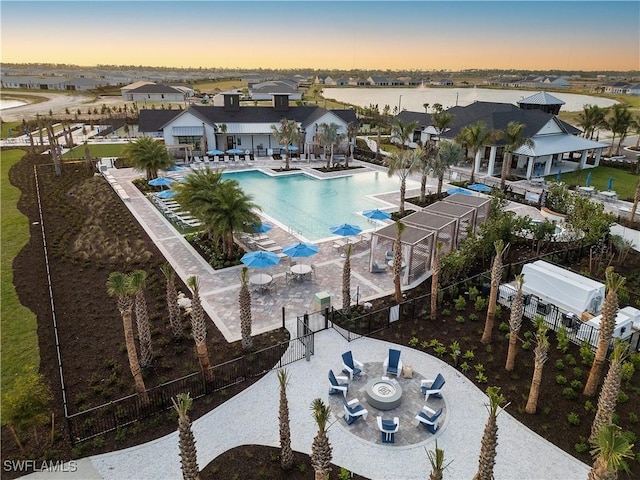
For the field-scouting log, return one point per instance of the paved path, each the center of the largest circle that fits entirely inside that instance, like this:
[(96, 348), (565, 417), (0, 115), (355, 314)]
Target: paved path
[(521, 454)]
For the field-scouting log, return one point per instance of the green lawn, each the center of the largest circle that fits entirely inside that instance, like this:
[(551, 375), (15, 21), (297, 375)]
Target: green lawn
[(19, 340), (624, 183), (10, 125), (97, 150)]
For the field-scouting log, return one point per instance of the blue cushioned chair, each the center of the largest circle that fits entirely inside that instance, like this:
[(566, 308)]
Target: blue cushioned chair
[(351, 366), (353, 411), (338, 384), (432, 387), (429, 418), (388, 429), (392, 364)]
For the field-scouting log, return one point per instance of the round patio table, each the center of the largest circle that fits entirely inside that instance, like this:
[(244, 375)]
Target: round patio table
[(260, 280), (383, 393)]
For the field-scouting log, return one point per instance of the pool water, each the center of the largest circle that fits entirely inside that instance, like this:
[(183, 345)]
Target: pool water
[(308, 207)]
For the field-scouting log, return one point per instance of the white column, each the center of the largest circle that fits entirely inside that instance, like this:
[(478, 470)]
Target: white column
[(492, 160), (598, 155), (476, 163), (548, 163), (529, 167), (583, 159)]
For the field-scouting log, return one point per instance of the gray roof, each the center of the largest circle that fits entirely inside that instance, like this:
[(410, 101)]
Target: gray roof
[(541, 98), (423, 119), (410, 236), (154, 88)]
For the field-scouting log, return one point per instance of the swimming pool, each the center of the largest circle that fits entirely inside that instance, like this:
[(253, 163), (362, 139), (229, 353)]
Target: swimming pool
[(307, 206)]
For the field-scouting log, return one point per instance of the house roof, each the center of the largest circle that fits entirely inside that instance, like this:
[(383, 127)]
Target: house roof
[(559, 142), (154, 88), (541, 98), (423, 119), (133, 86), (154, 120)]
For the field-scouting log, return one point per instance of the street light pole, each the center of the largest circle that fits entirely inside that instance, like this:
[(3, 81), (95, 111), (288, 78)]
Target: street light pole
[(399, 104)]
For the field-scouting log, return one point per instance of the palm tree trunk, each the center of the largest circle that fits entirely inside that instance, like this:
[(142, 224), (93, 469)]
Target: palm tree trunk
[(403, 192), (472, 179), (203, 358), (423, 187), (440, 180), (435, 278), (132, 354), (636, 199), (534, 392), (513, 350)]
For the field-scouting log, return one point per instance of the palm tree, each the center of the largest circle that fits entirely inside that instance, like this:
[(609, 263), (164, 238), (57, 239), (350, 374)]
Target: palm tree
[(175, 321), (346, 281), (289, 134), (321, 453), (402, 132), (397, 260), (245, 310), (119, 286), (426, 107), (138, 283), (186, 441), (613, 283), (441, 121), (496, 278), (487, 458), (199, 328), (610, 388), (619, 121), (286, 453), (435, 278), (515, 322), (402, 163), (541, 354), (610, 450), (436, 459), (636, 199), (474, 137), (148, 155), (352, 132), (448, 154), (329, 137), (514, 139), (591, 119), (429, 151)]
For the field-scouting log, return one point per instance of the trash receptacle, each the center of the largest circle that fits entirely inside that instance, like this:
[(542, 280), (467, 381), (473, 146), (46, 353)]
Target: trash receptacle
[(322, 301)]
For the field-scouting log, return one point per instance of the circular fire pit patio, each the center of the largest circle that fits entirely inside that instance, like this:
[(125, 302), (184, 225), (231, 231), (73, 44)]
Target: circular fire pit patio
[(383, 393)]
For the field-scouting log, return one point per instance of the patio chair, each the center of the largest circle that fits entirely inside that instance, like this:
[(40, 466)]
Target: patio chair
[(236, 158), (432, 387), (388, 256), (272, 286), (429, 418), (353, 411), (351, 366), (338, 384), (216, 158), (375, 268), (389, 428), (226, 158), (392, 364)]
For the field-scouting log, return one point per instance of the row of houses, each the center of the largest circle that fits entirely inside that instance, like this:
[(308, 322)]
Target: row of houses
[(536, 82), (380, 81), (153, 92), (621, 88)]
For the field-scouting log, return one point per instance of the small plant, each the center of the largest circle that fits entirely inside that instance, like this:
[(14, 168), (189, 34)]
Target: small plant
[(561, 380), (622, 397), (589, 407), (344, 474), (479, 367), (586, 353), (581, 447), (424, 345), (481, 377), (454, 352), (473, 293), (570, 359), (626, 371), (577, 372), (526, 345), (302, 467), (435, 343), (468, 355), (498, 310), (473, 317), (562, 335), (573, 418), (440, 350), (633, 417), (446, 312), (576, 385), (560, 364), (546, 410), (504, 327), (488, 348), (414, 342), (460, 319), (465, 367), (569, 393), (481, 304), (460, 303)]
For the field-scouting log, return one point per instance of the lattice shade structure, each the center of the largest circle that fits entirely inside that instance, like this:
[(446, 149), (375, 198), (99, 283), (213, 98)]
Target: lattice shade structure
[(417, 249), (443, 227), (464, 216), (481, 204)]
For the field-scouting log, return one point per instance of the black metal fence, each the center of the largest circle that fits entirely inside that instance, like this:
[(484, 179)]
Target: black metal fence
[(124, 411)]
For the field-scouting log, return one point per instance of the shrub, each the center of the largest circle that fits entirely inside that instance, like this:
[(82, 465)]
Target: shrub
[(586, 353), (560, 364), (479, 367), (473, 317), (577, 371), (635, 359), (468, 355), (504, 327), (414, 342), (576, 385), (526, 345), (528, 335), (581, 446), (460, 319), (481, 377), (569, 393), (498, 310), (589, 407), (570, 359), (626, 371), (460, 303), (633, 417), (446, 312), (562, 336), (622, 397), (465, 367), (440, 350), (473, 293), (480, 304), (344, 474), (424, 345), (573, 418), (561, 380)]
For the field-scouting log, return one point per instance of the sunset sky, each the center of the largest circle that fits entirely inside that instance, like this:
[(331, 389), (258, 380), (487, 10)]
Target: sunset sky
[(421, 35)]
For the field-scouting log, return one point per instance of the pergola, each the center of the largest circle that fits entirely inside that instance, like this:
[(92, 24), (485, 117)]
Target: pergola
[(464, 216), (417, 249), (481, 204), (443, 228)]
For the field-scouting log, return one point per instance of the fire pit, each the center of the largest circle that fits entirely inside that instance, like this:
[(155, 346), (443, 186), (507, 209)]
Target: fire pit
[(383, 393)]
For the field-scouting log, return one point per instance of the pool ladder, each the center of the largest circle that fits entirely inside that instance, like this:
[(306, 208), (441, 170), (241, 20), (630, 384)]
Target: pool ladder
[(293, 231)]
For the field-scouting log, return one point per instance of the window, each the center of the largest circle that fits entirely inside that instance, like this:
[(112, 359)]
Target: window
[(195, 141)]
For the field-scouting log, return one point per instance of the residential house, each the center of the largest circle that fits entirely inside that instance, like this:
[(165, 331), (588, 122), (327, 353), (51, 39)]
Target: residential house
[(153, 92), (358, 82), (378, 81), (633, 90), (442, 82), (617, 87)]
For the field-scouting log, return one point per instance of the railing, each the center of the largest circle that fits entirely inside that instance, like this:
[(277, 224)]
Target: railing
[(124, 411)]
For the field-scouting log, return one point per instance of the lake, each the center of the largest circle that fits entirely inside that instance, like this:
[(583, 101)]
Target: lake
[(412, 98)]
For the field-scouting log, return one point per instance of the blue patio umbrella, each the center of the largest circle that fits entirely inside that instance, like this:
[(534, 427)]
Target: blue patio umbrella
[(479, 187), (300, 250), (376, 214), (234, 151), (167, 194), (346, 230), (463, 191), (260, 259), (610, 183), (588, 182), (215, 152), (161, 182), (262, 228), (292, 148), (559, 176)]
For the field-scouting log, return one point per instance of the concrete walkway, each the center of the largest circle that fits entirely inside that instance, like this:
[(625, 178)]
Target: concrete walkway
[(521, 454)]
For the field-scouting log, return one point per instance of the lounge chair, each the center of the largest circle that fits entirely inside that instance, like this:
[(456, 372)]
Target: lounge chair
[(338, 384), (216, 158), (392, 364), (353, 411), (429, 418), (236, 158), (389, 428), (226, 158), (351, 366), (432, 387), (375, 268)]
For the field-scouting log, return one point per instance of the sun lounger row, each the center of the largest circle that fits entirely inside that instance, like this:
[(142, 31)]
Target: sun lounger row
[(173, 211)]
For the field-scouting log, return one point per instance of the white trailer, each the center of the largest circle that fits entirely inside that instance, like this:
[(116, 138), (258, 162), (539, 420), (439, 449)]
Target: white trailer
[(625, 321)]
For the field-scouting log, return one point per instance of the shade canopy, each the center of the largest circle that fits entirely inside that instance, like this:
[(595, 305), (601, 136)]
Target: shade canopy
[(292, 148), (376, 214), (346, 230), (463, 191), (234, 151), (262, 228), (300, 250), (260, 259), (479, 187), (215, 152), (167, 194), (610, 183), (161, 181)]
